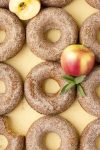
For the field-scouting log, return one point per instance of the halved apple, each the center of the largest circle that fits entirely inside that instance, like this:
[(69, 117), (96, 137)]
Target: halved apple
[(25, 9)]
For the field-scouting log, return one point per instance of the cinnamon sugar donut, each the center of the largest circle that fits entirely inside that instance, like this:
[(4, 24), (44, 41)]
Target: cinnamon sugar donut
[(67, 133), (15, 142), (88, 34), (38, 99), (91, 102), (4, 3), (94, 3), (15, 34), (13, 89), (89, 136), (56, 3), (47, 19)]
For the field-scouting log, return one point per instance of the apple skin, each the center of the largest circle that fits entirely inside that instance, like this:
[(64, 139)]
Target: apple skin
[(77, 60)]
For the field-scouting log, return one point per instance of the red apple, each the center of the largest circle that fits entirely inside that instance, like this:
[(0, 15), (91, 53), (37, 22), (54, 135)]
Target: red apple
[(77, 60)]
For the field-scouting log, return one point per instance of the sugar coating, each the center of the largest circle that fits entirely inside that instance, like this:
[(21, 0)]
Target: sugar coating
[(15, 34), (4, 3), (91, 102), (14, 88), (88, 34), (37, 98), (89, 135), (94, 3), (67, 133), (56, 3), (51, 18), (15, 142)]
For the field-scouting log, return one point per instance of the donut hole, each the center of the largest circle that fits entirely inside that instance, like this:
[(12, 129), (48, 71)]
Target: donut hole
[(2, 87), (2, 35), (53, 35), (3, 142), (52, 141), (50, 87), (98, 91), (98, 143), (98, 35)]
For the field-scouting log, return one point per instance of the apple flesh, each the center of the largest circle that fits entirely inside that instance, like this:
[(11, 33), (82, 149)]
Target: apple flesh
[(25, 9), (77, 60)]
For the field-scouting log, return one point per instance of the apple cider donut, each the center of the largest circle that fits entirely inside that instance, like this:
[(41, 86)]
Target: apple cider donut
[(91, 102), (13, 88), (4, 3), (88, 34), (47, 19), (89, 136), (94, 3), (15, 142), (56, 3), (38, 99), (38, 130), (15, 34)]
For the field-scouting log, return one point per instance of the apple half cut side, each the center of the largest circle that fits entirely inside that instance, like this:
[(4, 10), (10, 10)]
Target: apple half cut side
[(25, 9)]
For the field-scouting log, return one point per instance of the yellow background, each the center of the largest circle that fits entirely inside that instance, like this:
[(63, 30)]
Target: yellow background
[(23, 116)]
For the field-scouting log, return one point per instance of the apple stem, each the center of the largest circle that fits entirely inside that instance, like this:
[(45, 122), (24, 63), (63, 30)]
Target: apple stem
[(73, 81)]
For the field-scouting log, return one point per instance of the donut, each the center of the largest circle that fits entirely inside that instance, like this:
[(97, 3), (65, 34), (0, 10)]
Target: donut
[(13, 88), (38, 99), (66, 131), (15, 34), (91, 102), (4, 3), (56, 3), (15, 142), (51, 18), (94, 3), (88, 34), (89, 136)]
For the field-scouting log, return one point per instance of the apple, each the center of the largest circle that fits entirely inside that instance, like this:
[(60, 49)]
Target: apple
[(25, 9), (77, 60)]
